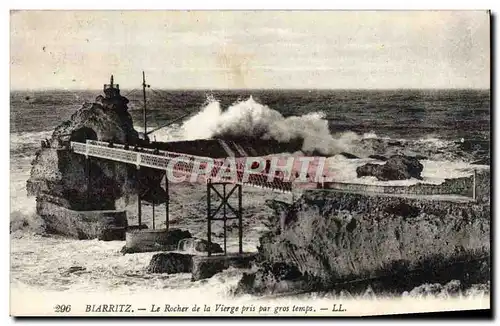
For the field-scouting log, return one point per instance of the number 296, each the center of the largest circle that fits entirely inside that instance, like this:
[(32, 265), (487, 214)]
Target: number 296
[(62, 308)]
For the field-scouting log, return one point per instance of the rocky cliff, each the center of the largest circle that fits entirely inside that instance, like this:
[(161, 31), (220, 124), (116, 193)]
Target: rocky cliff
[(65, 179), (328, 238)]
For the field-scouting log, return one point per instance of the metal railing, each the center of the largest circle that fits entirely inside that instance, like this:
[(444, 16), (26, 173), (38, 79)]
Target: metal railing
[(178, 163)]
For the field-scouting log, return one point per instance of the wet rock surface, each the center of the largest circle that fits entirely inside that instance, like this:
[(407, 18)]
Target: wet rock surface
[(378, 157), (206, 267), (199, 245), (397, 167), (273, 278), (58, 174), (60, 177), (170, 263), (147, 240), (332, 240)]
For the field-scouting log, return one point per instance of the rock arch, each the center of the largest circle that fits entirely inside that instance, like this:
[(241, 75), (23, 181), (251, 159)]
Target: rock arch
[(82, 134)]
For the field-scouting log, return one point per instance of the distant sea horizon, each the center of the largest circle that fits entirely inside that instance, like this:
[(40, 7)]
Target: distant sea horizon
[(253, 89)]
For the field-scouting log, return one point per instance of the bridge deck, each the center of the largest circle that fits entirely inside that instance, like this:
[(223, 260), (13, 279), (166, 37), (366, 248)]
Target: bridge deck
[(178, 163), (185, 164)]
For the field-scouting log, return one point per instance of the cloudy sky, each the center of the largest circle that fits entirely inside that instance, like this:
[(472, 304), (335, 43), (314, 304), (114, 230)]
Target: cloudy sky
[(224, 49)]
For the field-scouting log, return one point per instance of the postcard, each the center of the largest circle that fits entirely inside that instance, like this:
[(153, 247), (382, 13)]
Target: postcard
[(249, 163)]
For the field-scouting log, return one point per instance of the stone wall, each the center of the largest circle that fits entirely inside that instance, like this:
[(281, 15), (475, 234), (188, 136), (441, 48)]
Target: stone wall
[(456, 186)]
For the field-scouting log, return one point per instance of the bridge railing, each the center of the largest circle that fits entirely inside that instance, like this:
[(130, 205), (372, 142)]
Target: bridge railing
[(184, 164)]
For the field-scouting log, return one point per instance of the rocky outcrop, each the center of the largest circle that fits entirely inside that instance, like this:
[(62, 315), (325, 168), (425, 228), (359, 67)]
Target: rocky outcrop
[(65, 179), (200, 267), (274, 278), (104, 225), (198, 245), (206, 267), (170, 263), (230, 146), (146, 240), (330, 238), (397, 167)]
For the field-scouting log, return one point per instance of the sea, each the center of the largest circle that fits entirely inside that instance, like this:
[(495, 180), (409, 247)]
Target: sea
[(449, 129)]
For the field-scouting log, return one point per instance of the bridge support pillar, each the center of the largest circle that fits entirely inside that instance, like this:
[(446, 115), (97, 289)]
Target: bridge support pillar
[(167, 203), (225, 205), (153, 207), (87, 174), (139, 204)]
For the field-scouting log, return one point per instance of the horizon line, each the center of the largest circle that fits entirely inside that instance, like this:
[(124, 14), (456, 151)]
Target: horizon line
[(257, 89)]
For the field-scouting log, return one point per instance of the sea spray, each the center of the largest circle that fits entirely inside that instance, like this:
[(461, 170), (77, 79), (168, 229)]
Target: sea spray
[(251, 119)]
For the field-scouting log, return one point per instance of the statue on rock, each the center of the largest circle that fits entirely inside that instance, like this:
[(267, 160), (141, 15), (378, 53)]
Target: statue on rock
[(65, 179)]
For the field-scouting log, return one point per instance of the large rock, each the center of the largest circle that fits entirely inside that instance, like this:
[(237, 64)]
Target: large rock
[(105, 225), (397, 167), (198, 245), (146, 240), (66, 179), (273, 278), (170, 263), (334, 237), (206, 267)]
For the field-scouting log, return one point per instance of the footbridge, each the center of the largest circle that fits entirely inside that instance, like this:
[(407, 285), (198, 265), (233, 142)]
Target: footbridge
[(186, 165), (182, 164)]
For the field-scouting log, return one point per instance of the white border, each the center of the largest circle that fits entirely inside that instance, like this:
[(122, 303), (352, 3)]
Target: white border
[(185, 4)]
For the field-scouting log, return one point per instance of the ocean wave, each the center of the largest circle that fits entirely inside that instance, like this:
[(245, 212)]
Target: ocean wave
[(26, 143), (250, 119)]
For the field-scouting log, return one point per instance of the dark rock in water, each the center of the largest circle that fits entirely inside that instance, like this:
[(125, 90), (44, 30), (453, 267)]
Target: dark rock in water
[(237, 146), (81, 225), (113, 234), (378, 157), (420, 157), (170, 263), (470, 145), (113, 227), (315, 152), (74, 269), (484, 161), (348, 155), (401, 242), (395, 143), (206, 267), (147, 240), (397, 167), (369, 169), (137, 227), (175, 236), (200, 245), (273, 279), (66, 179)]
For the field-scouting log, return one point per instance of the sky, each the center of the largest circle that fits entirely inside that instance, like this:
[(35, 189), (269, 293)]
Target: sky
[(250, 49)]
